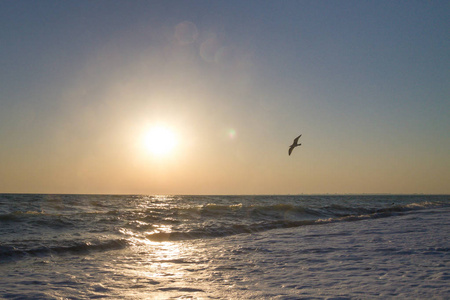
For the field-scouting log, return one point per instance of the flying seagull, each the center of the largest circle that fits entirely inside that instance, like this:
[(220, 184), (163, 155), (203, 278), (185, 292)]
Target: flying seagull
[(294, 144)]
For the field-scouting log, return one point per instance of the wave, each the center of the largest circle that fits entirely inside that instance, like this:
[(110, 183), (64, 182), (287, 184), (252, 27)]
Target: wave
[(19, 215), (10, 253), (36, 219), (301, 211), (303, 217), (83, 229)]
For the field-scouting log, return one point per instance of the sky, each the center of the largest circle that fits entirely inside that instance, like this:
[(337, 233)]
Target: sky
[(366, 83)]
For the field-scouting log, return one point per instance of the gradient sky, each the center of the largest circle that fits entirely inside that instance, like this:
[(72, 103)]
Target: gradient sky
[(365, 82)]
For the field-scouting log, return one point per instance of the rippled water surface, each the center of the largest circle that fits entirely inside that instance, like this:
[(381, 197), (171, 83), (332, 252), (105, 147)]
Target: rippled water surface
[(223, 247)]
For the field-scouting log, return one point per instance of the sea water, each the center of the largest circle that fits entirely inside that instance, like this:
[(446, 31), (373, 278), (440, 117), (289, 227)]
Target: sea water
[(224, 247)]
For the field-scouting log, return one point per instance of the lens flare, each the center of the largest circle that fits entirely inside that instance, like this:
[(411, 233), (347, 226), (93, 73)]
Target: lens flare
[(186, 32), (231, 133)]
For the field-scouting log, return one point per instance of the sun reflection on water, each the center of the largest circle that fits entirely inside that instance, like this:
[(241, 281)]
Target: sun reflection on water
[(155, 265)]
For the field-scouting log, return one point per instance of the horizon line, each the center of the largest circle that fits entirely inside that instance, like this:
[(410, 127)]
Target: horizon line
[(288, 194)]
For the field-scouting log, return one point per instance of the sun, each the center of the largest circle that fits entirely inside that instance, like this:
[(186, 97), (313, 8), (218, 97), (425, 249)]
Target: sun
[(160, 141)]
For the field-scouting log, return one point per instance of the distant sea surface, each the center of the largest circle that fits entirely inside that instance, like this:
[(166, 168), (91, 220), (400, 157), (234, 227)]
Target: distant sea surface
[(224, 247)]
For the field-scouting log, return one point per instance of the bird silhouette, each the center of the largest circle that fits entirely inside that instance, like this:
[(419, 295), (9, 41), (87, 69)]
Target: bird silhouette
[(294, 144)]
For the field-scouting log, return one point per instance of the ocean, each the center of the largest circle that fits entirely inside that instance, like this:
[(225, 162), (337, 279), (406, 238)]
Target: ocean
[(224, 247)]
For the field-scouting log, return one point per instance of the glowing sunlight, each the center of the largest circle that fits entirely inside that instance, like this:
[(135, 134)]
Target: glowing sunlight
[(160, 141)]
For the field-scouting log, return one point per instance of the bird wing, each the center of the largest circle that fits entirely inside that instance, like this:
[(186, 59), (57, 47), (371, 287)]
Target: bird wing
[(294, 144)]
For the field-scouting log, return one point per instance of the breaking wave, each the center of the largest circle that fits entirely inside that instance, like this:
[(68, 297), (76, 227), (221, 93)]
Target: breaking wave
[(40, 225), (10, 252)]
